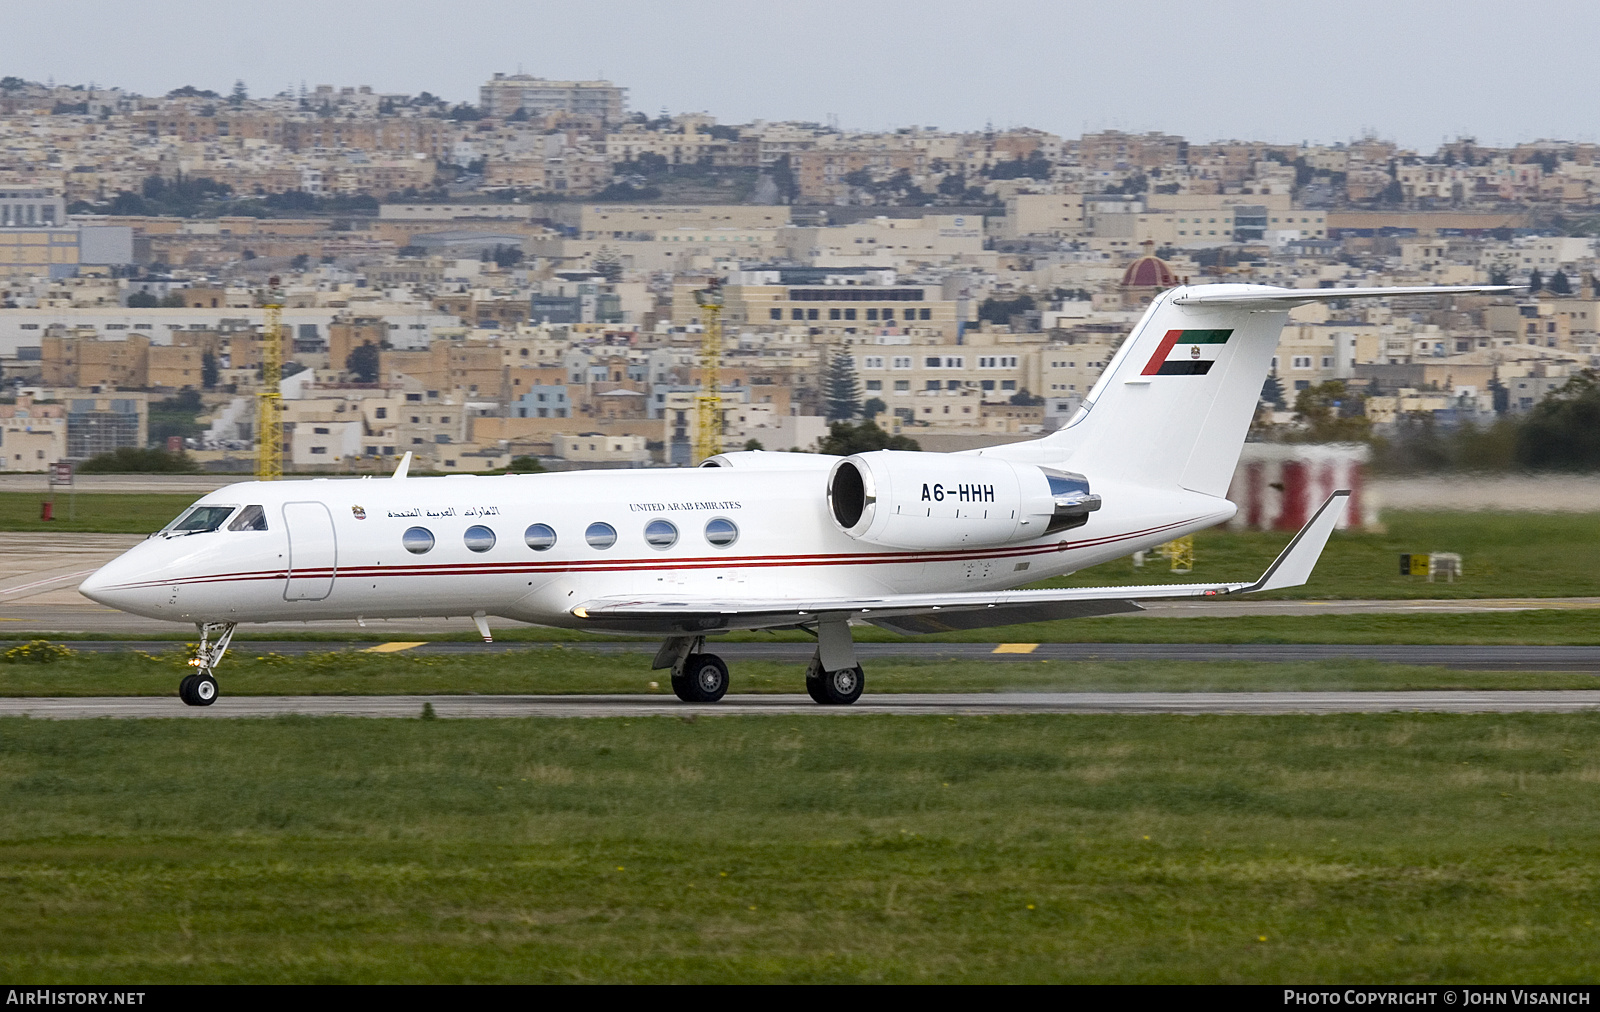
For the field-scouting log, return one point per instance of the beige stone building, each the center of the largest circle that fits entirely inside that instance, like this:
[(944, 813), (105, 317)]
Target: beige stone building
[(1043, 214), (32, 436), (621, 221)]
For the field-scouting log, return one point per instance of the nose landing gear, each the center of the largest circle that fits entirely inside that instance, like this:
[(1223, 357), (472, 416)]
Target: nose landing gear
[(200, 687)]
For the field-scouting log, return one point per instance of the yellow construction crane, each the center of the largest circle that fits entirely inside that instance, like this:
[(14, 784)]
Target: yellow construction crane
[(269, 417), (708, 403)]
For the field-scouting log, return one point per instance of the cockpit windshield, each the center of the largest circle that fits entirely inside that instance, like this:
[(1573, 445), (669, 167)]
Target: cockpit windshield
[(201, 519), (251, 518)]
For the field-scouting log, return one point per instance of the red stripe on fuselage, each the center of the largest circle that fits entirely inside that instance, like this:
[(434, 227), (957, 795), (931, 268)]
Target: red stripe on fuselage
[(656, 565)]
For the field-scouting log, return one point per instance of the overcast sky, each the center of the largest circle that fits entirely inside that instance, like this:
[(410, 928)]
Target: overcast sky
[(1416, 72)]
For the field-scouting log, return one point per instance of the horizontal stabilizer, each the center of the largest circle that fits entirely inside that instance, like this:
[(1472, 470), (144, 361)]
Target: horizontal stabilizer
[(1284, 298), (1293, 565)]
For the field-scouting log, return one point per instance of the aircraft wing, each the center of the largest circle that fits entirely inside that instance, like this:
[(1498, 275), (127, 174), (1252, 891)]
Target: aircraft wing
[(946, 612)]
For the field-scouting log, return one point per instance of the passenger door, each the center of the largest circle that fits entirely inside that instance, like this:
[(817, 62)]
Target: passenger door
[(313, 551)]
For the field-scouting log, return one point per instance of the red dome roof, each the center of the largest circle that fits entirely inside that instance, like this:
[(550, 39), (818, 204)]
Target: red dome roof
[(1149, 272)]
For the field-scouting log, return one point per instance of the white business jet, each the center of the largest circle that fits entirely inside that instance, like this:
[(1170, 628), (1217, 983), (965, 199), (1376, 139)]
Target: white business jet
[(912, 542)]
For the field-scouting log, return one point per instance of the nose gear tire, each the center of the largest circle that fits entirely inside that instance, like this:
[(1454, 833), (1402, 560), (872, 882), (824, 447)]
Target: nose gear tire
[(198, 690)]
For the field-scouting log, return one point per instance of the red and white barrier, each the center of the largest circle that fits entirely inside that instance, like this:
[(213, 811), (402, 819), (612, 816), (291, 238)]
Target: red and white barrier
[(1277, 485)]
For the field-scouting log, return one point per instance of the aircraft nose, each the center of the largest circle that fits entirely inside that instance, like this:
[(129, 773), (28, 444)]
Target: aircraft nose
[(107, 585)]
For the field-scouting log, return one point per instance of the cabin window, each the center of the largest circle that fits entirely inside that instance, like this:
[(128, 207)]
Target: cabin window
[(540, 537), (251, 518), (600, 535), (418, 540), (660, 534), (478, 538), (201, 519), (721, 532)]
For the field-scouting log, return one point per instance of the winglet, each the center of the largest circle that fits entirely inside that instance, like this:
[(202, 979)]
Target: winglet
[(405, 465), (1293, 567)]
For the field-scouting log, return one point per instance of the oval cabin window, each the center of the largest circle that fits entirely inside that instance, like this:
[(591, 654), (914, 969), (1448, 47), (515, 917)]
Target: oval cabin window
[(478, 538), (418, 540), (540, 537), (660, 534)]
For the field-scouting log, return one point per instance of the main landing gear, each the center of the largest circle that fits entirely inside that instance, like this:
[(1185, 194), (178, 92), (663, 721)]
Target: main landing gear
[(833, 678), (200, 687), (697, 677)]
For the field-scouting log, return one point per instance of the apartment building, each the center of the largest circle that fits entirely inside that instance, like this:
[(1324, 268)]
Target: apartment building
[(808, 302), (507, 94), (626, 221), (32, 436)]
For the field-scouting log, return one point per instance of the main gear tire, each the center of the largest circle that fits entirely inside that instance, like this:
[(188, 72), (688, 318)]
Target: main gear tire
[(840, 688)]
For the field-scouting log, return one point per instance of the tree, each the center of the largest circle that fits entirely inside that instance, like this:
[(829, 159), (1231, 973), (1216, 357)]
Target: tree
[(1000, 311), (134, 460), (507, 256), (1562, 432), (1535, 281), (300, 261), (524, 465), (173, 301), (784, 178), (607, 263), (1272, 391), (843, 439), (209, 373), (362, 362), (1498, 276), (1559, 285), (1332, 414), (843, 391), (873, 408), (753, 444), (1023, 399), (239, 94), (142, 300)]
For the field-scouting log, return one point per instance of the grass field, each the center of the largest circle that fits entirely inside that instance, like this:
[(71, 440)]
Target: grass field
[(1503, 555), (567, 670), (104, 513), (1403, 848)]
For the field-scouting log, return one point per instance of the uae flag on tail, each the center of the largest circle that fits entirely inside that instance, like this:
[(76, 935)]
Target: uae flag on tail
[(1187, 352)]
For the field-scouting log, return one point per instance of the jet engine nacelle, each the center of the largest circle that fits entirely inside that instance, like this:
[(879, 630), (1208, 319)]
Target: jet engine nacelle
[(902, 499)]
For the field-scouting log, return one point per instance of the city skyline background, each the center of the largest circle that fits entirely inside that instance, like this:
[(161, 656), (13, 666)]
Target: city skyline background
[(1418, 73)]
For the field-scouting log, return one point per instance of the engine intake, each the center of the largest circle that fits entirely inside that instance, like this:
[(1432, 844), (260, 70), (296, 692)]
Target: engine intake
[(902, 499)]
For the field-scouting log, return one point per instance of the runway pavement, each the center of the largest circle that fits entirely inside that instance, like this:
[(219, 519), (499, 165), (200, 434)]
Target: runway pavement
[(1457, 658), (907, 704)]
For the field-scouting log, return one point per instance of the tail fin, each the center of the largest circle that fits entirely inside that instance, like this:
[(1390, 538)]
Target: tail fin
[(1174, 403)]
